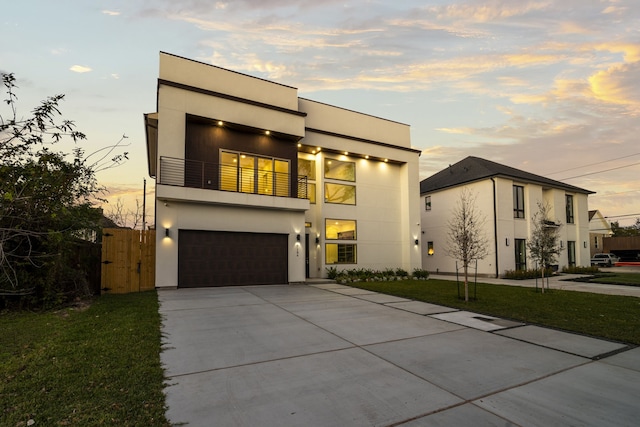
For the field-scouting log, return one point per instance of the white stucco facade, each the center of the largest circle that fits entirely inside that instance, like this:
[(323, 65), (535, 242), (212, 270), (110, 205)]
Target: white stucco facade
[(206, 112), (495, 203)]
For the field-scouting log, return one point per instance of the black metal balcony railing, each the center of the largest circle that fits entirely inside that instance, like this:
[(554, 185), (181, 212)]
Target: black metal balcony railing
[(213, 176)]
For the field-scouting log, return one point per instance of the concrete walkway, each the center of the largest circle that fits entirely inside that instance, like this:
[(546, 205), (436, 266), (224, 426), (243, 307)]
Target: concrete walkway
[(562, 281), (330, 355)]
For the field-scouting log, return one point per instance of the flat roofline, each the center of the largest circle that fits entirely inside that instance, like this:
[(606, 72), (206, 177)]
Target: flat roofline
[(368, 141), (354, 111), (226, 69)]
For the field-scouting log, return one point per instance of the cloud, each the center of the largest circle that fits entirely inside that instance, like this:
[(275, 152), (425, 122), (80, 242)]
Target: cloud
[(618, 85), (80, 69), (111, 12)]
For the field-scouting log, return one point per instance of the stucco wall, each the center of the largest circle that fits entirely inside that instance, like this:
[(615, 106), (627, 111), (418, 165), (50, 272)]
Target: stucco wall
[(502, 233)]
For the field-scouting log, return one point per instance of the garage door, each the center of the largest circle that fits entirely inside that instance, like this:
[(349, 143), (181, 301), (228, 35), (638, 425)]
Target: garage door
[(220, 258)]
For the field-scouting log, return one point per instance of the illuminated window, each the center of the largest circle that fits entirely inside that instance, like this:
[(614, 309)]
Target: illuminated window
[(430, 248), (307, 168), (339, 229), (311, 192), (339, 193), (339, 253), (252, 174), (337, 169)]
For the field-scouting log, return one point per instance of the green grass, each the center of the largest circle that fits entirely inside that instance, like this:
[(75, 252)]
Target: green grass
[(93, 366), (628, 279), (608, 316)]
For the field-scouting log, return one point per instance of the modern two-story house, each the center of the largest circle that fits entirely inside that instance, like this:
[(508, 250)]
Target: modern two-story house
[(255, 185), (507, 199)]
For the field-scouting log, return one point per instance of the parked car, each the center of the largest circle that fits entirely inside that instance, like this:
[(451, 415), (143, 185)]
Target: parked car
[(605, 260)]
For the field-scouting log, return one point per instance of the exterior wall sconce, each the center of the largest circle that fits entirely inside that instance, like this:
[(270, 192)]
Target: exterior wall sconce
[(317, 240), (561, 243), (506, 241), (298, 237), (584, 244), (166, 232), (417, 241)]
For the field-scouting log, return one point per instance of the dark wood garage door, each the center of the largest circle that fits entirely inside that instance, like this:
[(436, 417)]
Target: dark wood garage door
[(220, 258)]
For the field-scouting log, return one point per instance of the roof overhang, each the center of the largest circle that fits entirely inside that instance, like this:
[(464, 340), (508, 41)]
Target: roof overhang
[(151, 132)]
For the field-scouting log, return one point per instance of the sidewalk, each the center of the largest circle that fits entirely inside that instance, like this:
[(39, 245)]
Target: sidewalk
[(562, 282)]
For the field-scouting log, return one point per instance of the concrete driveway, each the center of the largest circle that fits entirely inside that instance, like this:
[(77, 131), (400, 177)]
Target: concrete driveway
[(330, 355)]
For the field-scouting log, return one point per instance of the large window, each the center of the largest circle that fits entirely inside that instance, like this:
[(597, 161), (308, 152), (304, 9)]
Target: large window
[(248, 173), (307, 168), (340, 229), (340, 193), (337, 169), (521, 254), (518, 201), (569, 207), (340, 253)]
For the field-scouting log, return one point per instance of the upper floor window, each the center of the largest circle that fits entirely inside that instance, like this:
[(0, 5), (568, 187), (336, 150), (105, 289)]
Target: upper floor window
[(340, 229), (307, 168), (249, 173), (569, 207), (427, 203), (337, 169), (339, 193), (518, 201)]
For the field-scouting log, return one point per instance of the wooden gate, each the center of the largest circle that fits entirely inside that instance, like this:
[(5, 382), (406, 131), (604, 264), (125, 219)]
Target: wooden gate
[(128, 260)]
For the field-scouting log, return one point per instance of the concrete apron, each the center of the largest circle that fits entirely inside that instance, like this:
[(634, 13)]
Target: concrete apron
[(329, 355)]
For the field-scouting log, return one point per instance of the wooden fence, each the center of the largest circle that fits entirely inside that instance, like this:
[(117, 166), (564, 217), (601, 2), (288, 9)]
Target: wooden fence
[(128, 260)]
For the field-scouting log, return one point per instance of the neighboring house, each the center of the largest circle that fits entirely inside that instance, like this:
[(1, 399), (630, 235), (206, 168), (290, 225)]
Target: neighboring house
[(508, 199), (599, 228), (255, 185)]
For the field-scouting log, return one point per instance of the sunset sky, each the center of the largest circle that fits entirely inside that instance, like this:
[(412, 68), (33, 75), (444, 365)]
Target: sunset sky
[(550, 87)]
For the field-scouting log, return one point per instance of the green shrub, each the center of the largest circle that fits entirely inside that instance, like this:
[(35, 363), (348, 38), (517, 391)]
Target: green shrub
[(400, 272), (419, 273), (332, 273), (580, 270)]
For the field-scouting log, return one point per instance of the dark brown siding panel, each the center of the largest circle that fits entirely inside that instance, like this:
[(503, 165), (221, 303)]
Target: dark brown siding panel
[(205, 139), (220, 258)]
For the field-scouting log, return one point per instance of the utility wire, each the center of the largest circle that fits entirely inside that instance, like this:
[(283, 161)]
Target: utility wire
[(593, 164), (602, 171)]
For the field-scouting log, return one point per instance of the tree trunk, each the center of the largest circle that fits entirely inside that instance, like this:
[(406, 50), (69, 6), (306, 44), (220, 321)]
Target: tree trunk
[(466, 283)]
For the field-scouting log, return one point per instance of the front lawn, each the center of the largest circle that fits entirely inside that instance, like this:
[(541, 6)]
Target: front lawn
[(96, 365), (627, 279), (607, 316)]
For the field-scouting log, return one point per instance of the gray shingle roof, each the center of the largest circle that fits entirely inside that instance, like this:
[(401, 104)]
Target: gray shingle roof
[(473, 169)]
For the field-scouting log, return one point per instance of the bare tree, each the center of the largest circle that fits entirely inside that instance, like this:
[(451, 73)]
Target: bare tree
[(543, 244), (466, 238), (125, 217)]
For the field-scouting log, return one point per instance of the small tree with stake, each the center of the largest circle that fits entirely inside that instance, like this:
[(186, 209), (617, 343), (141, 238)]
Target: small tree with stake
[(467, 242), (543, 244)]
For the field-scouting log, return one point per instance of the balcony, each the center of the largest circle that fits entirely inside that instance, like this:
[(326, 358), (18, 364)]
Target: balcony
[(230, 178)]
